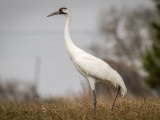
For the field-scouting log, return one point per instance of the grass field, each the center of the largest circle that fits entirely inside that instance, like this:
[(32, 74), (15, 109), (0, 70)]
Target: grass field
[(125, 109)]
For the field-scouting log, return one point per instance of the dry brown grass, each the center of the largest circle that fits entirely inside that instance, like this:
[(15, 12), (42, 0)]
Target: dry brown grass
[(125, 109)]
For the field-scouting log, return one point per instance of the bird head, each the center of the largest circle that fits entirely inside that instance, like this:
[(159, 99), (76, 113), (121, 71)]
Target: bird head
[(61, 11)]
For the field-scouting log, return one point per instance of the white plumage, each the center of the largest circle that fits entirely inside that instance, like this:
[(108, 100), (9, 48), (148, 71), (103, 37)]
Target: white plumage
[(92, 68)]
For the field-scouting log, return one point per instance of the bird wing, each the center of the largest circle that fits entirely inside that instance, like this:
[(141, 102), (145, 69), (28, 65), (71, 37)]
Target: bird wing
[(93, 67), (90, 66)]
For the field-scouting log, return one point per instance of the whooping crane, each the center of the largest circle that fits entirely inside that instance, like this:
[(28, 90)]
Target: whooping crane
[(92, 68)]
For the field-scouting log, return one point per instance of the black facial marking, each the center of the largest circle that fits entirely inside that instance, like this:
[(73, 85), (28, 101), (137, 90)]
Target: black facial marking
[(61, 10)]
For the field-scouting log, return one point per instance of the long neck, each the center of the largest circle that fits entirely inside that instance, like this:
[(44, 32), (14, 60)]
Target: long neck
[(67, 31), (71, 48)]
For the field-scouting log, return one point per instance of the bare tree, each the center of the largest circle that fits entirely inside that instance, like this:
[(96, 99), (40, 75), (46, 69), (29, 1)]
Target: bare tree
[(128, 32), (16, 90)]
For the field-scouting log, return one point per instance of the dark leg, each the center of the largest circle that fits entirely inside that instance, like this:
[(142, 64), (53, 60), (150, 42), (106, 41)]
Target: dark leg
[(118, 89), (94, 101)]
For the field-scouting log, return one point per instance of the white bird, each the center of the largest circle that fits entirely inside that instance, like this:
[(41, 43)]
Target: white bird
[(92, 68)]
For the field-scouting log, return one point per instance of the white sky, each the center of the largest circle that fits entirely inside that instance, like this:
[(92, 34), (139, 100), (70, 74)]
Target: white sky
[(26, 32)]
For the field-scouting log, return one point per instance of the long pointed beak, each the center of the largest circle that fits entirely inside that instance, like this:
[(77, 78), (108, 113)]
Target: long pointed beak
[(55, 13)]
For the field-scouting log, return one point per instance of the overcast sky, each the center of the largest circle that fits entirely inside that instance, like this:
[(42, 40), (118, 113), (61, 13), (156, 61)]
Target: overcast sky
[(26, 32)]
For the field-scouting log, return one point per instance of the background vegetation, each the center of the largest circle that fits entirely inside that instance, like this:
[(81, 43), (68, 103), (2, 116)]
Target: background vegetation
[(151, 61)]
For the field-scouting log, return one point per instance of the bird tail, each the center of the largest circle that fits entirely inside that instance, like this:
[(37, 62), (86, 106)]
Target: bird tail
[(123, 92)]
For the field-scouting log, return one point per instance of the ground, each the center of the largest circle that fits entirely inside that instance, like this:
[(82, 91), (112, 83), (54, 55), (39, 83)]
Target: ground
[(125, 109)]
